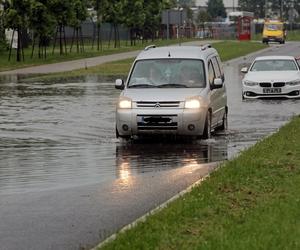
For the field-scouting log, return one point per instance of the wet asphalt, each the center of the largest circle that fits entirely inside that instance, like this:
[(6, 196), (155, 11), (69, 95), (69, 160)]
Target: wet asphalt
[(67, 183)]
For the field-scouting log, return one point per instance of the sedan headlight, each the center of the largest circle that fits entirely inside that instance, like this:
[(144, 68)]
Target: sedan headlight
[(192, 103), (125, 103), (293, 83), (250, 83)]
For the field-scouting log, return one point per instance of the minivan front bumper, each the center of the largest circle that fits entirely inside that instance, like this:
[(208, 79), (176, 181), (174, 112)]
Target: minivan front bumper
[(145, 121)]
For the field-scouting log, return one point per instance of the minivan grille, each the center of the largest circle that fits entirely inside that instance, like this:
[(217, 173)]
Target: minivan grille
[(157, 122), (157, 104)]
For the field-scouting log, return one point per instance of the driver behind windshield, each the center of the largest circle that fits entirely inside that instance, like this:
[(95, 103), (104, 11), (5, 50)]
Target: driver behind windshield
[(155, 75)]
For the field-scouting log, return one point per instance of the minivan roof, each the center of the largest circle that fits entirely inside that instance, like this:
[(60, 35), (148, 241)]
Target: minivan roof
[(188, 52)]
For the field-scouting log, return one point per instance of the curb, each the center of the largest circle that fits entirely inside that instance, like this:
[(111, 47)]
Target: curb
[(155, 210)]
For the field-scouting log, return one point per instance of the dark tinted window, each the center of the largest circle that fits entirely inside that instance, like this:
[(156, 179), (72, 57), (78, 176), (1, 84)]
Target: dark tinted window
[(211, 73), (216, 67)]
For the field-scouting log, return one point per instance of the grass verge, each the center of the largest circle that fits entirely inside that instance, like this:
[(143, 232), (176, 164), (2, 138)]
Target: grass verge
[(251, 202), (227, 49), (88, 52)]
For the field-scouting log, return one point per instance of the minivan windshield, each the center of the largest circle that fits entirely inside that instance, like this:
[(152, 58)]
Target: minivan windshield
[(274, 65), (273, 27), (168, 73)]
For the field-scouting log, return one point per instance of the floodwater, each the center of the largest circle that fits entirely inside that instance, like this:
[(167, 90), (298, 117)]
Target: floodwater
[(57, 135), (60, 134)]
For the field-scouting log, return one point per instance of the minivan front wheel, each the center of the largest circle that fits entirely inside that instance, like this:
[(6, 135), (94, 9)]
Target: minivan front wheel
[(224, 125), (125, 137), (207, 127)]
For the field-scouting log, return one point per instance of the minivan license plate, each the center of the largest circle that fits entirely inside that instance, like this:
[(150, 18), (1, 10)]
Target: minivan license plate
[(272, 90)]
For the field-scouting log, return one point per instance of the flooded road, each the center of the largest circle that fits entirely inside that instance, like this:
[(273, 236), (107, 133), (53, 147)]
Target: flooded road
[(62, 135), (62, 168)]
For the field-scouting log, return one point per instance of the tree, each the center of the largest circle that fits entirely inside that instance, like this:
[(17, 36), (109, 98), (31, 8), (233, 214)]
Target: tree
[(98, 6), (153, 10), (42, 24), (3, 44), (216, 8), (134, 22), (113, 13), (202, 18), (16, 18), (256, 6), (80, 15), (64, 13), (281, 7)]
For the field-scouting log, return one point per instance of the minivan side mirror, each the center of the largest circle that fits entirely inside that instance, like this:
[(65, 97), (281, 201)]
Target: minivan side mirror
[(244, 70), (119, 84), (218, 83)]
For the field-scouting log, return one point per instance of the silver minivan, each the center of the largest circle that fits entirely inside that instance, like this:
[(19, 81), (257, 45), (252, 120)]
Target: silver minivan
[(175, 90)]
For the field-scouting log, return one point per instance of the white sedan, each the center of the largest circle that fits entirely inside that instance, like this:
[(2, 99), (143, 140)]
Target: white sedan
[(272, 76)]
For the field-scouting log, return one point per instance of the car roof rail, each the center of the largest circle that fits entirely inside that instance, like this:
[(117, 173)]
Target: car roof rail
[(152, 46), (206, 46)]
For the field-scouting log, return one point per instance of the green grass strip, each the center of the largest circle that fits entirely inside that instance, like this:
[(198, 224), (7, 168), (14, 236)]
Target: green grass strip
[(227, 50), (251, 202), (89, 51)]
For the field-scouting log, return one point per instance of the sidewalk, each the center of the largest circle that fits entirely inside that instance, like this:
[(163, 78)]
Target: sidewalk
[(83, 63)]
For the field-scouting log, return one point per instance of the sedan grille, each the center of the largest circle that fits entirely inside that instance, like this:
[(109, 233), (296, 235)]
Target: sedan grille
[(158, 104), (265, 84), (278, 84)]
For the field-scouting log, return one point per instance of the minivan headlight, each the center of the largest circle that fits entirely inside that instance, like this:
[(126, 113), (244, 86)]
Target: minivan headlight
[(192, 103), (250, 83), (293, 83), (125, 103)]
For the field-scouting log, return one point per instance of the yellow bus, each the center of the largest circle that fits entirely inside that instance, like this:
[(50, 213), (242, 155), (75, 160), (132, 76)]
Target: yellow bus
[(273, 32)]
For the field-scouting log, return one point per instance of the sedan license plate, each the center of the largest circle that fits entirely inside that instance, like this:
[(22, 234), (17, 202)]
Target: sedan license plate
[(272, 90)]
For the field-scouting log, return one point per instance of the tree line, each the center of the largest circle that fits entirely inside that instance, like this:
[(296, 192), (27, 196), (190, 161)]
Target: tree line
[(47, 19), (262, 7)]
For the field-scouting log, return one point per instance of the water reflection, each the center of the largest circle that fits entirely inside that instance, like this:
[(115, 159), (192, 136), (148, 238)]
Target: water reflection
[(137, 158)]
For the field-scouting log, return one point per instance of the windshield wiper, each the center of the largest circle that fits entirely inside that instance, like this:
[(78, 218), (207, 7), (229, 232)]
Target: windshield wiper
[(174, 85), (145, 85)]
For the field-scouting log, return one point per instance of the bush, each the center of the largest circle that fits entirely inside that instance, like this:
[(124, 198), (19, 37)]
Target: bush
[(3, 45)]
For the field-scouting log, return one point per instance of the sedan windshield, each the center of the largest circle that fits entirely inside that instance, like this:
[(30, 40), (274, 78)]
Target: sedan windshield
[(274, 65), (168, 73)]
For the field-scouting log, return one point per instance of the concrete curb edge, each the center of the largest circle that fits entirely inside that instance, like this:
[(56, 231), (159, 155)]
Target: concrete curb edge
[(155, 210)]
